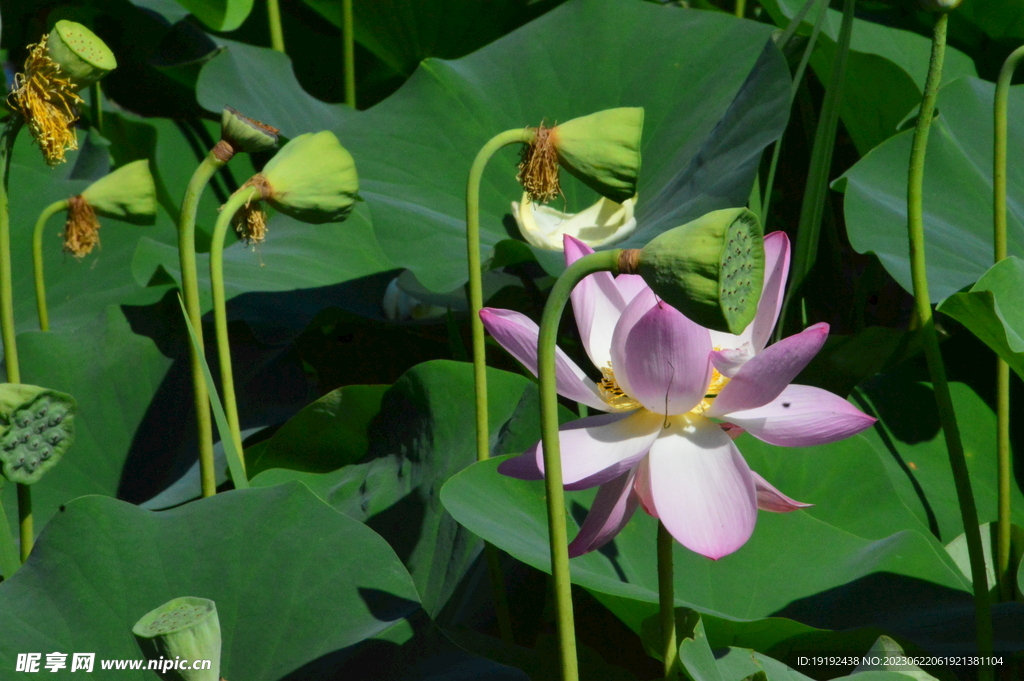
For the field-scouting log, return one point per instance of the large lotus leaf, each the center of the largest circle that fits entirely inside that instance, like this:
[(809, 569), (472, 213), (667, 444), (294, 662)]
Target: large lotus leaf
[(705, 121), (114, 375), (885, 73), (422, 436), (790, 557), (219, 15), (401, 33), (998, 18), (993, 310), (957, 192), (293, 580)]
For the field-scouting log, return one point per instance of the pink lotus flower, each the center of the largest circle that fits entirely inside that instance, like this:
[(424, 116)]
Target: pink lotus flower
[(677, 395)]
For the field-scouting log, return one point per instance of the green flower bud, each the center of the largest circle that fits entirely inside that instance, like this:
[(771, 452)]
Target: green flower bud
[(185, 629), (79, 53), (603, 150), (711, 269), (38, 428), (246, 134), (128, 194), (312, 179)]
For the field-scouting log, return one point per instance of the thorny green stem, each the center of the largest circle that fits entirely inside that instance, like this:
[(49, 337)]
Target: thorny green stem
[(274, 19), (1004, 464), (667, 604), (220, 316), (933, 355), (190, 290), (348, 40), (476, 302), (37, 260), (602, 261)]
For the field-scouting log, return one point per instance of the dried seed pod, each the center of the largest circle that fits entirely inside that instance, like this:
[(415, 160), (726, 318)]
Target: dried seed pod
[(246, 134)]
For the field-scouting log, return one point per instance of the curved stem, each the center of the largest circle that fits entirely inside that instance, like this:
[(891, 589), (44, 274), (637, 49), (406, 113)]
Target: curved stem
[(667, 604), (190, 290), (349, 46), (1004, 465), (220, 315), (274, 19), (602, 261), (476, 302), (37, 260), (933, 355)]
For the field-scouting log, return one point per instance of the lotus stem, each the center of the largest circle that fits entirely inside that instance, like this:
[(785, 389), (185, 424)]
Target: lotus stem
[(190, 289), (274, 19), (476, 302), (37, 260), (1004, 464), (741, 8), (240, 198), (933, 355), (602, 261), (349, 45), (667, 604)]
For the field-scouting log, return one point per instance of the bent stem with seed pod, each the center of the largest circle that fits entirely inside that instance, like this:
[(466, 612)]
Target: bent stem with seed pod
[(933, 355), (237, 201), (1004, 464)]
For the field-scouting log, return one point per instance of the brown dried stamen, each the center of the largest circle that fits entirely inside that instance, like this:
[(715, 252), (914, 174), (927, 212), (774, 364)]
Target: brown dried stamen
[(48, 103), (538, 167), (82, 229)]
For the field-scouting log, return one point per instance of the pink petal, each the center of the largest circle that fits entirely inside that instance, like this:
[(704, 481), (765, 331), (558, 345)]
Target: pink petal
[(668, 361), (765, 376), (729, 361), (613, 507), (639, 306), (776, 270), (702, 488), (771, 499), (803, 416), (731, 429), (518, 334), (642, 487), (522, 467), (599, 448), (596, 303), (630, 286)]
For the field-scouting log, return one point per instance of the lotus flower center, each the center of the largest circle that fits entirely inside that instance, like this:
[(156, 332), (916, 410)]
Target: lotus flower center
[(612, 393), (718, 381)]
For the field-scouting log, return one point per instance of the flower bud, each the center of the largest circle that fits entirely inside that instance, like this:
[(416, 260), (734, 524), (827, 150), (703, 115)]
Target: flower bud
[(185, 629), (245, 134), (602, 224), (128, 194), (313, 179), (39, 429), (80, 54), (602, 150), (711, 269)]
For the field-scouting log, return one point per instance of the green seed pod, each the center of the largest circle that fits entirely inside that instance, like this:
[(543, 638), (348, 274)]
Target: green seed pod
[(81, 55), (246, 134), (128, 194), (39, 427), (603, 150), (711, 269), (313, 179), (182, 630)]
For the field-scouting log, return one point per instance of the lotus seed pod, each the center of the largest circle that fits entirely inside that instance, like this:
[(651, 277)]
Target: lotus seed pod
[(128, 194), (246, 134), (603, 150), (39, 429), (711, 269), (81, 55), (313, 179), (185, 629)]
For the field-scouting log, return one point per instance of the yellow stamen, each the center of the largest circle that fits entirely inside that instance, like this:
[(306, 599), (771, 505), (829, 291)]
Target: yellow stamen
[(612, 393), (48, 103), (538, 168), (251, 223), (82, 228)]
